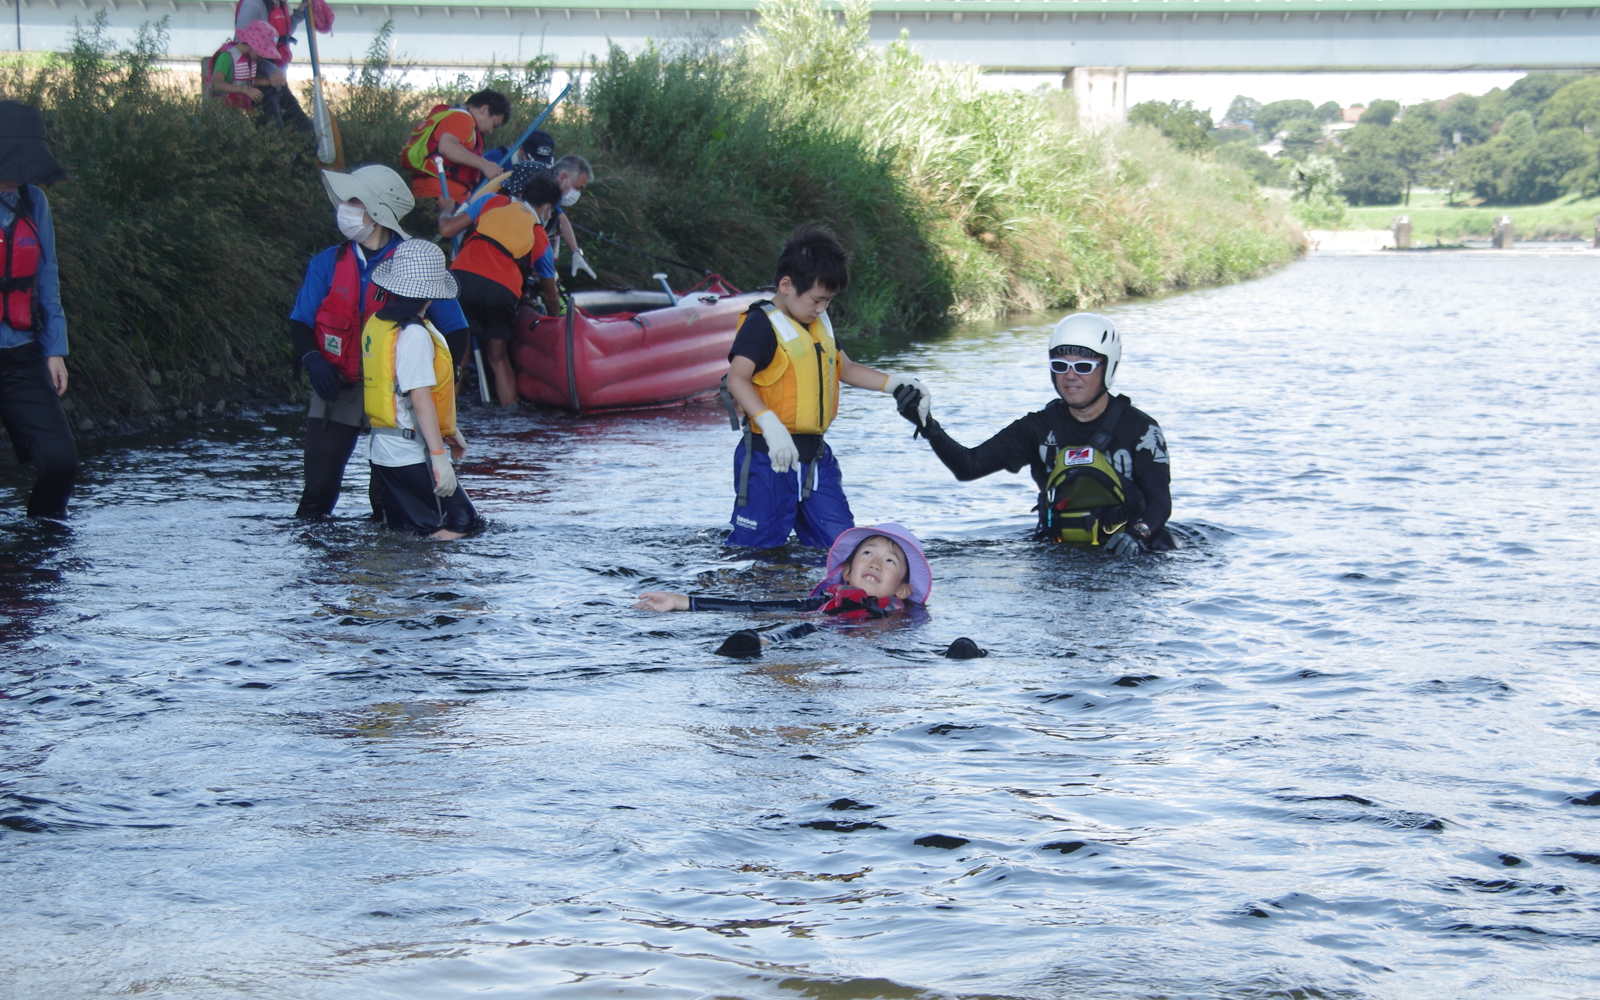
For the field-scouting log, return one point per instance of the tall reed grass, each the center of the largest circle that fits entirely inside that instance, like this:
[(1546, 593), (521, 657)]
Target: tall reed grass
[(185, 230)]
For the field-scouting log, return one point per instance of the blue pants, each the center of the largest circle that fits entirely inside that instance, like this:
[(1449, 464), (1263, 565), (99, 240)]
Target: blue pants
[(774, 507)]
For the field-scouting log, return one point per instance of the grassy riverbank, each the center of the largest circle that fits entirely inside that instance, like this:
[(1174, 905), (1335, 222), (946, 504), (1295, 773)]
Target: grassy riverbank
[(1569, 218), (184, 230)]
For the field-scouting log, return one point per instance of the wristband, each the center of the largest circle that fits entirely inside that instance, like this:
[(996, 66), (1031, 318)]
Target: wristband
[(886, 380), (441, 451)]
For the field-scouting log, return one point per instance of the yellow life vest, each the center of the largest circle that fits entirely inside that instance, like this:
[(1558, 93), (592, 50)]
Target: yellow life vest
[(1083, 498), (380, 339), (801, 385)]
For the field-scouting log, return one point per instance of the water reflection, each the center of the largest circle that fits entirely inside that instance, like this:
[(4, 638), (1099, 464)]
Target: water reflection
[(1340, 745)]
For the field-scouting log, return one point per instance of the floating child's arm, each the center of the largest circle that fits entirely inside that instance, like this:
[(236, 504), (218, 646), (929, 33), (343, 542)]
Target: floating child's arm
[(664, 600)]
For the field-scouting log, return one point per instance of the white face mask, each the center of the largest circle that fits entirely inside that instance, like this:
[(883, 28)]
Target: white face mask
[(353, 222), (570, 198)]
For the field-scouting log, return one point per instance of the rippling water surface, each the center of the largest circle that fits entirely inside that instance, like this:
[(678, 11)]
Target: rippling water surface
[(1338, 747)]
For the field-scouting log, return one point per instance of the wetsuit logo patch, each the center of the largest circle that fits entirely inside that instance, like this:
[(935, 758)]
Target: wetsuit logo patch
[(1077, 456)]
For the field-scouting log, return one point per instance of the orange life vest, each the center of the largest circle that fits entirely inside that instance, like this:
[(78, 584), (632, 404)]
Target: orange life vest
[(801, 385), (420, 149), (22, 257), (344, 312)]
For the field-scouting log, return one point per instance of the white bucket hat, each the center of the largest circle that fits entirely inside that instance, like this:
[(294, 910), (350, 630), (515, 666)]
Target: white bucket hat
[(416, 270), (380, 189)]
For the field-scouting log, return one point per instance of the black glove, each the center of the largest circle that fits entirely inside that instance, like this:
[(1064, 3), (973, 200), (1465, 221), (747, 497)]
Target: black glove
[(1122, 544), (908, 401), (324, 377)]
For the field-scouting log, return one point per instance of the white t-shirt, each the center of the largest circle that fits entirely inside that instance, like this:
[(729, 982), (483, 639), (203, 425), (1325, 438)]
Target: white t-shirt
[(413, 369)]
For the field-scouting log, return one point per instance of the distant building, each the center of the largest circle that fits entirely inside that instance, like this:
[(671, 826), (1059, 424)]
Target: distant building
[(1353, 113)]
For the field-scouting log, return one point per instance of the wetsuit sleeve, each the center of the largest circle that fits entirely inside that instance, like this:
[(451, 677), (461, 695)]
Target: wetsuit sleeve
[(1152, 474), (755, 339), (1011, 449), (53, 341), (737, 604)]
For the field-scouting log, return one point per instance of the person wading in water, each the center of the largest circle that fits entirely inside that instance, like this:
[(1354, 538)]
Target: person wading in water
[(33, 329), (1101, 465)]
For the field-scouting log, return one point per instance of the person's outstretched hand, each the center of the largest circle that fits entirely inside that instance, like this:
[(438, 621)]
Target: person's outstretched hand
[(662, 600), (324, 377), (913, 404), (925, 398)]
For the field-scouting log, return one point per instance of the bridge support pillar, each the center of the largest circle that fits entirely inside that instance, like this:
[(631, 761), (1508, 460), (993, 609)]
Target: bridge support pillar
[(1100, 93)]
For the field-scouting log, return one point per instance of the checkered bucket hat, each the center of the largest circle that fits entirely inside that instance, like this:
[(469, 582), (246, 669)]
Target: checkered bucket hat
[(416, 270)]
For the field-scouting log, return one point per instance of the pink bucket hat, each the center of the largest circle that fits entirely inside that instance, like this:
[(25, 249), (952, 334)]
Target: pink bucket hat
[(261, 38), (919, 574)]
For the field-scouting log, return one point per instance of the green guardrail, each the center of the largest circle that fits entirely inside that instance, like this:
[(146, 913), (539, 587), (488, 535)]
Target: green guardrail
[(1051, 7)]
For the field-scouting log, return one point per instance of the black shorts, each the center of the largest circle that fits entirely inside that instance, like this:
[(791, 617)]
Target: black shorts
[(490, 307), (406, 495)]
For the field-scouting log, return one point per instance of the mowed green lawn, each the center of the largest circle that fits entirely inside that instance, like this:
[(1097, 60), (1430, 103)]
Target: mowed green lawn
[(1564, 218)]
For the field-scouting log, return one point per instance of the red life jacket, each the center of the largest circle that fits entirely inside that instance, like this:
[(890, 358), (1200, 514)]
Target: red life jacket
[(278, 18), (343, 314), (244, 72), (22, 257)]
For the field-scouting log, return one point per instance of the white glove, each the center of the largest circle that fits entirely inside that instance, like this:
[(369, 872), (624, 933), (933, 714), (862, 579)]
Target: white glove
[(444, 474), (781, 451), (460, 439), (579, 264), (926, 402)]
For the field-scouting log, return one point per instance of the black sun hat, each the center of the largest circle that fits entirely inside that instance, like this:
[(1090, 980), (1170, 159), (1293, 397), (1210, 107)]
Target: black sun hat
[(24, 153)]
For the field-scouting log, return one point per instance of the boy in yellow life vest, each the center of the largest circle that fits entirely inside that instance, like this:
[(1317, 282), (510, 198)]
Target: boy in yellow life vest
[(786, 368), (409, 392)]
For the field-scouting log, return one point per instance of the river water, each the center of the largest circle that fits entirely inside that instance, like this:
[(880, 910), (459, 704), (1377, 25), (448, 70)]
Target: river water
[(1331, 749)]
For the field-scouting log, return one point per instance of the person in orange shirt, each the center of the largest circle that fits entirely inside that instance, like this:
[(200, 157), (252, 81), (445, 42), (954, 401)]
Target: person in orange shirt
[(455, 134), (507, 233)]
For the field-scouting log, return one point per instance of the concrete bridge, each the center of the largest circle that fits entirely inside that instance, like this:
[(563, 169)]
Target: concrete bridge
[(1033, 36)]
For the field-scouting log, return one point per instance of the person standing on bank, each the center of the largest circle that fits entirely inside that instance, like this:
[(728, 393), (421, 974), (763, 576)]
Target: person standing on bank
[(33, 328), (1101, 465), (334, 303)]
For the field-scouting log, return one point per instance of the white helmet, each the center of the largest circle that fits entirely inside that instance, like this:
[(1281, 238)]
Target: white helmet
[(1091, 331)]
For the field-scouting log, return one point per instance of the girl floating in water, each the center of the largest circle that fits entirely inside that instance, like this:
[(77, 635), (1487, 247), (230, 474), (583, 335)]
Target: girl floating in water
[(872, 572)]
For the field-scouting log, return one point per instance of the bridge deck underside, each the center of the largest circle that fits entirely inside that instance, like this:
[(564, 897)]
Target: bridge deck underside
[(994, 35)]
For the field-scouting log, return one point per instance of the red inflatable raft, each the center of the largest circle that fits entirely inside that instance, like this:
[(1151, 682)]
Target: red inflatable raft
[(619, 348)]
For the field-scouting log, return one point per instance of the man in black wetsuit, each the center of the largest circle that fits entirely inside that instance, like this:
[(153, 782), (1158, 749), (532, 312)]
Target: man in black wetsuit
[(1085, 351)]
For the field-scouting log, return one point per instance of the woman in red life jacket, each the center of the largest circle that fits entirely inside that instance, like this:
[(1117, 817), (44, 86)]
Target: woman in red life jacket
[(872, 572), (334, 303), (33, 328)]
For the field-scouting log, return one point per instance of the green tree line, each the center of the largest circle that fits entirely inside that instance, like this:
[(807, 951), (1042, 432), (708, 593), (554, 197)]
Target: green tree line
[(1531, 142)]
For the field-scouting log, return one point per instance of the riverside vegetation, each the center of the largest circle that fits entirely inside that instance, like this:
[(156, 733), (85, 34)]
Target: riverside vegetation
[(1528, 150), (184, 230)]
